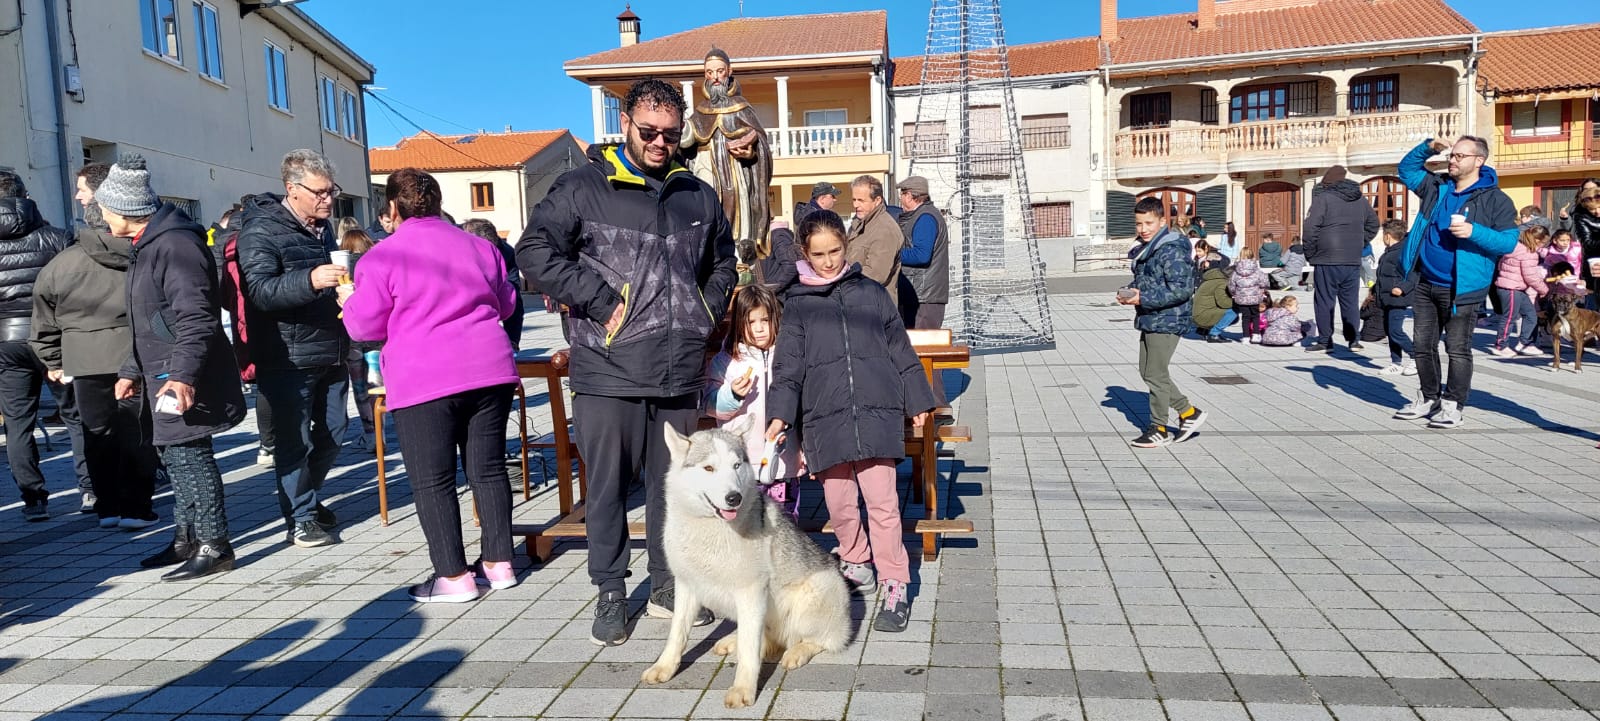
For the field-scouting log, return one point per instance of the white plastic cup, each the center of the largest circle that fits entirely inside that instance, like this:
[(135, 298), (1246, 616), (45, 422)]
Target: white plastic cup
[(341, 258), (1457, 218), (1594, 267)]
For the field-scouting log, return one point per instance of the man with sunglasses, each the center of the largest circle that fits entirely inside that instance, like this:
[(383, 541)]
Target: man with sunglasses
[(1464, 223), (297, 341), (640, 250)]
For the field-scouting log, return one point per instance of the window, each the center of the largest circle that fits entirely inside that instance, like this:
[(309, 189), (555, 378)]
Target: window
[(1151, 110), (483, 196), (926, 139), (189, 206), (159, 20), (613, 115), (832, 116), (1274, 102), (1208, 106), (1388, 197), (206, 44), (330, 105), (1052, 220), (1046, 131), (1175, 203), (1375, 94), (352, 117), (277, 78), (1529, 120)]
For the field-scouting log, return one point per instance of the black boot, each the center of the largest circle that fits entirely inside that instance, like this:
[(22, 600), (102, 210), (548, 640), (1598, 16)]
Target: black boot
[(180, 550), (209, 557)]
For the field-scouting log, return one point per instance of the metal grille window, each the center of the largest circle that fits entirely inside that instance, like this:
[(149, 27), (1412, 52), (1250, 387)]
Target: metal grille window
[(1151, 110), (1052, 220), (190, 207), (1208, 107), (1274, 102), (926, 139), (1046, 131)]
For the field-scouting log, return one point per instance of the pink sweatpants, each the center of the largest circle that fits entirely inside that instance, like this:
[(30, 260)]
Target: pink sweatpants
[(873, 478)]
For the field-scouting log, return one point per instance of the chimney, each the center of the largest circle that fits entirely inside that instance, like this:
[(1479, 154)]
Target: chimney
[(1108, 21), (1207, 17), (508, 127), (628, 26)]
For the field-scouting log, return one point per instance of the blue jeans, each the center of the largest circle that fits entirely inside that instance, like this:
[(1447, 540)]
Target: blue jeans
[(1399, 342), (1228, 317), (308, 421), (1517, 308)]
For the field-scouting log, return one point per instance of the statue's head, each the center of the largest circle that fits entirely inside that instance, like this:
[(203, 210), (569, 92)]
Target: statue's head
[(719, 74)]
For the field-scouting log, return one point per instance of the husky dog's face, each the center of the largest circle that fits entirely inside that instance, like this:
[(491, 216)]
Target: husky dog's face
[(710, 475)]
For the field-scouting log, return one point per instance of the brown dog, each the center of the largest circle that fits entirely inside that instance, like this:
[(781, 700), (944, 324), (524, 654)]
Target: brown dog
[(1576, 324)]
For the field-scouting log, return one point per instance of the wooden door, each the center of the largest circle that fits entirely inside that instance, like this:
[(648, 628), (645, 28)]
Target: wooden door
[(1271, 208)]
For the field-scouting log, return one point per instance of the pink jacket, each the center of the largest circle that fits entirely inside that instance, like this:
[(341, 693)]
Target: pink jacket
[(1573, 254), (1520, 270)]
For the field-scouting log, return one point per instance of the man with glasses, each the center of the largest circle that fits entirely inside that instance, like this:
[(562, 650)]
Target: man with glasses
[(1463, 225), (297, 341), (640, 250)]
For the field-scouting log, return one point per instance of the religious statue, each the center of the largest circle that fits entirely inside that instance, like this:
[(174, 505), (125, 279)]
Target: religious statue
[(727, 147)]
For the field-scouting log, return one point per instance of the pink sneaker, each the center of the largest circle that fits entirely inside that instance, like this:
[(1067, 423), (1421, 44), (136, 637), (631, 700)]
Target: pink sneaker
[(494, 574), (439, 589)]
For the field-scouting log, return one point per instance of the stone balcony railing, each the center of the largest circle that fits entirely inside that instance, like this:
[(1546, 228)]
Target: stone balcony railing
[(813, 140), (1369, 138)]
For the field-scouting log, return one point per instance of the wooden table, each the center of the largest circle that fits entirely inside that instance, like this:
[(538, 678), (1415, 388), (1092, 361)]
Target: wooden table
[(925, 453)]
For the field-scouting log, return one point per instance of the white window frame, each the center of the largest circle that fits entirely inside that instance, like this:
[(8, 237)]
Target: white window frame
[(328, 103), (205, 41), (844, 112), (350, 111), (1536, 120), (149, 14), (277, 76)]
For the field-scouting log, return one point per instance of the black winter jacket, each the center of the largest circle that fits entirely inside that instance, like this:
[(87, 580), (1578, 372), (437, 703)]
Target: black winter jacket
[(1390, 277), (844, 372), (778, 269), (1340, 224), (80, 306), (27, 244), (177, 329), (292, 325), (1586, 229), (605, 234)]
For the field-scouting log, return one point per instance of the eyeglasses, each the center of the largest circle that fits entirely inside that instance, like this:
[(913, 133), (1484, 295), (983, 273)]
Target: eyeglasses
[(324, 194), (649, 135), (1459, 156)]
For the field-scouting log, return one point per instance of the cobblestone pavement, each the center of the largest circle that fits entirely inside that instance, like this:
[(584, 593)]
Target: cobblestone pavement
[(1304, 557)]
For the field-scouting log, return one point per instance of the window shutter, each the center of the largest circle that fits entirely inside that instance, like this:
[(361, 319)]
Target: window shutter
[(1119, 214), (1212, 204)]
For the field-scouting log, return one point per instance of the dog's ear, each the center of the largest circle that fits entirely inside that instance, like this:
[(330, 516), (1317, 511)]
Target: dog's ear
[(677, 443), (741, 425)]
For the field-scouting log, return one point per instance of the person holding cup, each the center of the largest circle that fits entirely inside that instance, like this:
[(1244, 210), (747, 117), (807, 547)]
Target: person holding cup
[(1585, 219), (1463, 225)]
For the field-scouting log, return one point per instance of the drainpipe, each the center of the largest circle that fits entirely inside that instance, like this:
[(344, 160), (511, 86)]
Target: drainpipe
[(52, 33)]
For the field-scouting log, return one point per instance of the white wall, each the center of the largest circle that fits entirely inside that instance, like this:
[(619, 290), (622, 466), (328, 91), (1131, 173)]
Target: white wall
[(204, 140), (456, 188)]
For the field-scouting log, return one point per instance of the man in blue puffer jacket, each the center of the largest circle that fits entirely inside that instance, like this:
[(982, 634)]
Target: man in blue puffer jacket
[(1162, 294), (1463, 225)]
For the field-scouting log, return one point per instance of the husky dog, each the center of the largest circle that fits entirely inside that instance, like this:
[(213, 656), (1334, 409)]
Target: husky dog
[(742, 557)]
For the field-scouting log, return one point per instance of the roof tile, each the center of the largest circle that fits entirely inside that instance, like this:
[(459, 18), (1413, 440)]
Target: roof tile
[(742, 38), (445, 152), (1048, 58), (1540, 60)]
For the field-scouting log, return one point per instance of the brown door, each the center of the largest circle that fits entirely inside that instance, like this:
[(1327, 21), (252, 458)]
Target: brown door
[(1271, 208)]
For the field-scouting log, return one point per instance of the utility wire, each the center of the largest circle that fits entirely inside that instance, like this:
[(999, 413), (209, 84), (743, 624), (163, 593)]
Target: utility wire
[(430, 133)]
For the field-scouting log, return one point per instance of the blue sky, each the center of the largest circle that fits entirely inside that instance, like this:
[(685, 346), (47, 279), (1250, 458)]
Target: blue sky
[(454, 66)]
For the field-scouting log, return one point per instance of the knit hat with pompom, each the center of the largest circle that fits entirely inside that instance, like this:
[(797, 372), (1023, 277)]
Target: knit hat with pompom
[(126, 190)]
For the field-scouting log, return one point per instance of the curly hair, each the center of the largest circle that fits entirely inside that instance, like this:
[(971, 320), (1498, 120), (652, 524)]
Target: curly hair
[(653, 92)]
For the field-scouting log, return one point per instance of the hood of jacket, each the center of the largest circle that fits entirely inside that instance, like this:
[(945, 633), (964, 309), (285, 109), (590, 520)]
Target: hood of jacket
[(1246, 267), (1344, 189), (104, 248), (170, 218), (18, 217), (1214, 274)]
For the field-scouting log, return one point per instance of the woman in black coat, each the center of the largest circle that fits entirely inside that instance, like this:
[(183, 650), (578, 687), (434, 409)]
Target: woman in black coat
[(844, 372), (1586, 229), (181, 357)]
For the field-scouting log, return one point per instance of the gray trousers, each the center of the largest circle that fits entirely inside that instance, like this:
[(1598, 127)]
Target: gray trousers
[(1155, 354)]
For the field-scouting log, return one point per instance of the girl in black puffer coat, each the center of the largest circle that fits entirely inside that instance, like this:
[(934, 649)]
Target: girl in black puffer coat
[(846, 375)]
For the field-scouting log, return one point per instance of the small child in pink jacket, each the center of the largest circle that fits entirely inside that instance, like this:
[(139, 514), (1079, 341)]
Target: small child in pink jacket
[(1519, 283)]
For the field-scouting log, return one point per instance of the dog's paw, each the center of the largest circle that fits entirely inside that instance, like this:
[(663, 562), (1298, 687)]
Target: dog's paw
[(728, 646), (658, 673), (1577, 370), (739, 697), (798, 656)]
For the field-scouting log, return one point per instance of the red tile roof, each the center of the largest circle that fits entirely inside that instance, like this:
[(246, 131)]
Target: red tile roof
[(1246, 26), (742, 38), (447, 152), (1524, 62), (1049, 58)]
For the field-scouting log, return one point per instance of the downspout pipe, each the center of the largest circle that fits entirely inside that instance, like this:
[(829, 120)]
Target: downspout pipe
[(64, 171)]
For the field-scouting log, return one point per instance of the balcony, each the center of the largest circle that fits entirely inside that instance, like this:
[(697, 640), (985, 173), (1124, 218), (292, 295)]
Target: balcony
[(1368, 139), (1555, 153), (812, 141)]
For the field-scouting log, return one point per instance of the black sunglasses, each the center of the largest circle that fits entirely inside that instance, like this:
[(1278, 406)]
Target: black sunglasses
[(649, 135)]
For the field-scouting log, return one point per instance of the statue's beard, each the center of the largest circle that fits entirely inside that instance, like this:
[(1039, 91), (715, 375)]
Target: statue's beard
[(718, 93)]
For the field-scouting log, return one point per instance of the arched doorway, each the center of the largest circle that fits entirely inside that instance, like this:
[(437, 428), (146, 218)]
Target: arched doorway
[(1388, 197), (1175, 203), (1271, 207)]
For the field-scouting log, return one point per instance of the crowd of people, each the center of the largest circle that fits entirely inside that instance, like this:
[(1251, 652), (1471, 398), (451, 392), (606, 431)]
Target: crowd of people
[(129, 316), (1469, 259)]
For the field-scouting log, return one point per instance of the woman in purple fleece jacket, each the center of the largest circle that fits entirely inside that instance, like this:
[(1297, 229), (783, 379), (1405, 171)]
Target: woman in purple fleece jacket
[(435, 295)]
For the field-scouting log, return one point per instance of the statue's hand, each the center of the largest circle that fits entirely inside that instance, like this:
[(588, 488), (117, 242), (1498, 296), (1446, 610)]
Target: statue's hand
[(743, 148)]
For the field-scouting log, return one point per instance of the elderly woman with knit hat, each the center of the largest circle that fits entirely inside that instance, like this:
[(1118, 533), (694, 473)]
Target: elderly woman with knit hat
[(180, 357)]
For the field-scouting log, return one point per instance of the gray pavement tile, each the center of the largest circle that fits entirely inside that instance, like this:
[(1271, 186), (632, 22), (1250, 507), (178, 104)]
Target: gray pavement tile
[(881, 706), (1453, 693), (892, 679), (1186, 710), (1038, 682), (1288, 712), (1194, 686), (1041, 708), (1114, 684), (966, 632), (1102, 709), (943, 680), (1586, 695), (602, 702), (1372, 713), (1336, 691), (543, 675), (519, 701), (965, 654), (1523, 694), (661, 703), (961, 707)]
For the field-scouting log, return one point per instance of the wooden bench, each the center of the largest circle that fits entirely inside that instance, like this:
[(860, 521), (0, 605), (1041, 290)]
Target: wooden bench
[(380, 407), (1100, 252)]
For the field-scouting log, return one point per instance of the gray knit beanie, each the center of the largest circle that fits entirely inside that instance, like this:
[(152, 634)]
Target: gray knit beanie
[(126, 190)]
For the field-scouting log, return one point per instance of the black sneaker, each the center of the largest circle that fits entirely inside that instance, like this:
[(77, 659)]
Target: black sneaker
[(610, 619), (1218, 339), (1356, 346), (1154, 437), (896, 611), (1320, 348), (36, 512), (307, 534), (325, 518), (1189, 425), (660, 606)]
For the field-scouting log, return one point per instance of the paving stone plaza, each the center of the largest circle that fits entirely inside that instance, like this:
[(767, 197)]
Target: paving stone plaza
[(1303, 558)]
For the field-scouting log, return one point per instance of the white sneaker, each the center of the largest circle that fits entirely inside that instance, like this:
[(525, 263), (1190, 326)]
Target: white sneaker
[(1502, 351), (1393, 369), (264, 458), (1410, 368), (110, 521), (1255, 338), (1419, 407), (1449, 416), (1531, 350)]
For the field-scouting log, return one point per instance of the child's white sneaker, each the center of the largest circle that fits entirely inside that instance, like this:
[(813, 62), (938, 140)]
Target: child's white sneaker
[(1393, 369), (1531, 350), (1255, 338), (1410, 368)]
